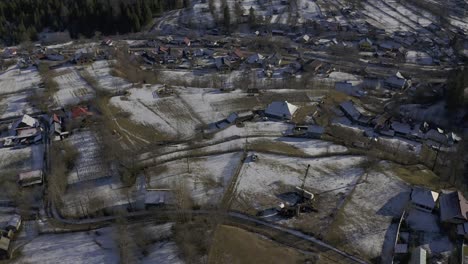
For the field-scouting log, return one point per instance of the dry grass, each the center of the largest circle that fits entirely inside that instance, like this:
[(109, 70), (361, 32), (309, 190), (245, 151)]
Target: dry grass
[(276, 147), (132, 134), (235, 245), (301, 114), (416, 175)]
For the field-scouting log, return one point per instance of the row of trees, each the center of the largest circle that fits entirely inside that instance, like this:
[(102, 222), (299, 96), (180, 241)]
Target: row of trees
[(20, 20)]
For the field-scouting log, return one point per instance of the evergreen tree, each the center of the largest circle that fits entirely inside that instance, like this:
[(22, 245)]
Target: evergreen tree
[(227, 18)]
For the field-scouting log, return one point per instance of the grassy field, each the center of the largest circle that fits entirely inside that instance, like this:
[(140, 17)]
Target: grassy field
[(276, 147), (229, 246), (133, 134), (416, 175)]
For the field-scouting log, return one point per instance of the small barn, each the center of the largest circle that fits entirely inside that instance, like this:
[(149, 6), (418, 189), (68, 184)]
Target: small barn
[(281, 110)]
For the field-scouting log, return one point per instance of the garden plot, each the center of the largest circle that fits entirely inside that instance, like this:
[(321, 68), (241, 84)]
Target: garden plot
[(100, 71), (168, 115), (261, 184), (15, 105), (22, 159), (79, 247), (364, 225), (205, 177), (89, 164), (381, 16), (90, 197), (15, 79), (73, 89)]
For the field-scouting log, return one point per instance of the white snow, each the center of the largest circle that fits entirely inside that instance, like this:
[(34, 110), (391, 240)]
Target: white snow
[(100, 71), (15, 105), (73, 248), (72, 88), (15, 79)]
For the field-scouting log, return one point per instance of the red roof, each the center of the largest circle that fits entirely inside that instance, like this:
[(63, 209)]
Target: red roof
[(56, 118), (239, 53), (80, 111), (187, 41)]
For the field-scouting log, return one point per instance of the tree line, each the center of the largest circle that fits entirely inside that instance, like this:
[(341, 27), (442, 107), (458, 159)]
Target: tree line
[(21, 20)]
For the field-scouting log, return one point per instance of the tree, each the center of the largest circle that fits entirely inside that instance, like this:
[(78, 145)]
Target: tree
[(227, 18), (252, 19), (456, 84)]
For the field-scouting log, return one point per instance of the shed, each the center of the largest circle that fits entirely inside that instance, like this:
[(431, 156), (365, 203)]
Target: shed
[(30, 178), (4, 247), (350, 110), (424, 199), (418, 256), (281, 110), (159, 198), (14, 223)]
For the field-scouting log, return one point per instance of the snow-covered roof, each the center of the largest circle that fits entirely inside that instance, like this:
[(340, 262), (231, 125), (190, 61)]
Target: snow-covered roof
[(28, 121), (424, 197), (281, 109)]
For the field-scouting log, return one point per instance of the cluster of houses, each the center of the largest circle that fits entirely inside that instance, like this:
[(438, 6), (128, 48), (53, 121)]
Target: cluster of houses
[(386, 125), (452, 208), (7, 234)]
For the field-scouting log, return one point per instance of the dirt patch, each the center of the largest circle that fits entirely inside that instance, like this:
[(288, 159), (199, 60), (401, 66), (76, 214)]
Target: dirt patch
[(229, 246)]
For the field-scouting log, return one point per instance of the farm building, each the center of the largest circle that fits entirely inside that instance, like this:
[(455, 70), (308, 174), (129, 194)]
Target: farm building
[(424, 199), (281, 110)]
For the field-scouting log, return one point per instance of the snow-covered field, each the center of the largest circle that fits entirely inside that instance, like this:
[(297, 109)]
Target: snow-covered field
[(15, 79), (72, 88), (89, 164), (365, 222), (102, 246), (80, 247), (15, 105), (205, 177), (261, 183), (100, 71), (168, 115)]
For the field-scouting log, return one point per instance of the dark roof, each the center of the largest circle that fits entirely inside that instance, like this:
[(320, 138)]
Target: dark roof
[(453, 205), (424, 197), (350, 110)]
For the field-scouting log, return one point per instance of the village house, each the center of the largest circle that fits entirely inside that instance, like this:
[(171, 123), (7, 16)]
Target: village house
[(353, 114), (84, 55), (14, 223), (424, 199), (453, 208), (26, 130), (223, 64), (281, 110), (56, 127), (396, 81)]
